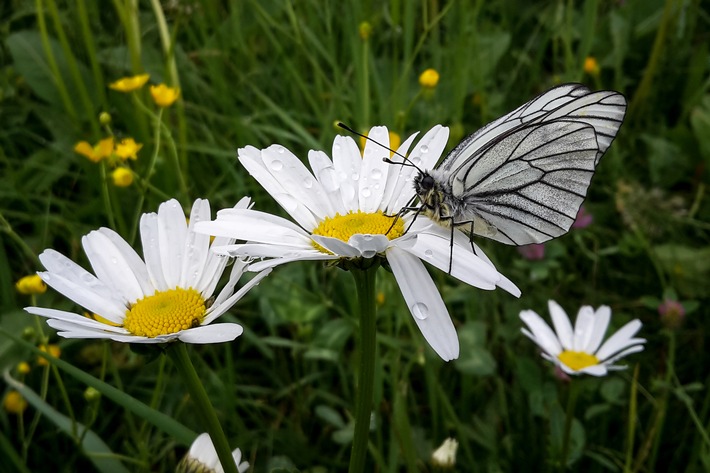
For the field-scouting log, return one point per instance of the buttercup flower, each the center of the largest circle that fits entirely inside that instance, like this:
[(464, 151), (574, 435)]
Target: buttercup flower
[(31, 284), (202, 458), (164, 96), (128, 149), (102, 149), (345, 209), (122, 177), (591, 66), (429, 78), (168, 297), (52, 349), (577, 350), (14, 403), (129, 84)]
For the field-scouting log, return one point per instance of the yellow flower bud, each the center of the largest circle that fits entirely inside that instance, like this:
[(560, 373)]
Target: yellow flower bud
[(23, 367), (31, 284), (591, 66), (14, 403), (52, 349), (164, 96), (365, 30), (104, 118), (429, 78), (122, 177), (129, 84)]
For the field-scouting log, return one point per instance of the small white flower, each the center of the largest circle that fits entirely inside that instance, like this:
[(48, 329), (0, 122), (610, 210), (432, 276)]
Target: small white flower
[(202, 458), (577, 350), (445, 455), (344, 209), (164, 298)]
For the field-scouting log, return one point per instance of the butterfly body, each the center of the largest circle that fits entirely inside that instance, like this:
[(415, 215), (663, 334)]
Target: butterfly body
[(522, 178)]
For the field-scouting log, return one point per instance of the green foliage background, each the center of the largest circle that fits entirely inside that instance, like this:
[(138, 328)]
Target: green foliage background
[(262, 72)]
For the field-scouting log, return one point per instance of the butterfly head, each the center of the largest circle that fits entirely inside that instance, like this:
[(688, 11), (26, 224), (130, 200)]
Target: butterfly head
[(431, 195)]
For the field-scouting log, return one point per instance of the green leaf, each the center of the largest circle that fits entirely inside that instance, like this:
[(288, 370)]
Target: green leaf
[(91, 444)]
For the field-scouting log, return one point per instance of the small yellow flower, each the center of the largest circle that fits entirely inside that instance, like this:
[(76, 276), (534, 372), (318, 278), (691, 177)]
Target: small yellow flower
[(31, 284), (14, 403), (52, 349), (23, 367), (380, 298), (102, 149), (129, 84), (122, 177), (591, 66), (395, 142), (128, 149), (429, 78), (365, 30), (164, 96)]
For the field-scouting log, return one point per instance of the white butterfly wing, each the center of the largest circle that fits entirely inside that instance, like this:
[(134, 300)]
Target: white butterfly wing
[(524, 176), (529, 185)]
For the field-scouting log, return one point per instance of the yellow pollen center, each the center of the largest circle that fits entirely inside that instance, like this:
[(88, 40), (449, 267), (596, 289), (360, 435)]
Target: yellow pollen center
[(577, 360), (165, 312), (345, 226)]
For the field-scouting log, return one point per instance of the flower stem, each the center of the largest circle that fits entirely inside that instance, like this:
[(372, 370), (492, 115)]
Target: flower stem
[(365, 284), (569, 417), (177, 352)]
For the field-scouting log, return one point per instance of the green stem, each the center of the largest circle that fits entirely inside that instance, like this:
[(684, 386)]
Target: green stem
[(569, 417), (178, 354), (365, 284)]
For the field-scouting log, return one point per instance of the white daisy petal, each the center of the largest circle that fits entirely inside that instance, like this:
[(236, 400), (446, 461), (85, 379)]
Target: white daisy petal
[(172, 231), (594, 370), (373, 173), (98, 303), (216, 333), (238, 268), (336, 246), (622, 339), (219, 309), (324, 171), (135, 263), (214, 267), (369, 245), (425, 303), (583, 328), (197, 246), (632, 349), (74, 319), (263, 250), (562, 325), (262, 265), (251, 159), (542, 334), (602, 316), (251, 225), (110, 266), (151, 250), (397, 178), (296, 180), (347, 161)]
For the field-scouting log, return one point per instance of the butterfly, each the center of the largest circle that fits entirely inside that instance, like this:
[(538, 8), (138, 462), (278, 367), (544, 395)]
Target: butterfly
[(522, 178)]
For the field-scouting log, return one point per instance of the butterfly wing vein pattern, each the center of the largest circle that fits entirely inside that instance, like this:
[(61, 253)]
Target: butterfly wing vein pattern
[(522, 178)]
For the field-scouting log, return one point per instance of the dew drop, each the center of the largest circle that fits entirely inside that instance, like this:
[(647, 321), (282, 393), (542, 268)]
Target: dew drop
[(367, 237), (47, 277), (336, 148), (415, 160), (326, 177), (376, 174), (420, 311), (355, 176), (114, 260), (277, 165), (428, 253), (280, 150), (308, 182), (366, 192), (424, 149)]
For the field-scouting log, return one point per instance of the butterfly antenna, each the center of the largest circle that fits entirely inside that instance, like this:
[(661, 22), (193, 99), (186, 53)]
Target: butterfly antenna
[(406, 161)]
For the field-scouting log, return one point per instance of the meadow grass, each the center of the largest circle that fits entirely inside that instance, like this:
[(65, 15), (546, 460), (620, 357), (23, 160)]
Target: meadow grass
[(257, 73)]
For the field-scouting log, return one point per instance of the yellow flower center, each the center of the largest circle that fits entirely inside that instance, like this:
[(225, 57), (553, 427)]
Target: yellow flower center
[(345, 226), (165, 312), (577, 360)]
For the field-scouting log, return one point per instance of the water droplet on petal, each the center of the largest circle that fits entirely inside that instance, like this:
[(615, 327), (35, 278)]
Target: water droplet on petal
[(277, 165), (308, 182), (420, 310), (336, 148), (415, 160), (424, 149), (366, 192), (376, 174), (355, 176), (47, 277), (114, 260), (280, 149), (367, 237), (428, 253)]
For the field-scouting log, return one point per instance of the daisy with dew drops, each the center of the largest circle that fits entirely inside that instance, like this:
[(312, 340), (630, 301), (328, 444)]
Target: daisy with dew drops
[(579, 349), (158, 299), (344, 211)]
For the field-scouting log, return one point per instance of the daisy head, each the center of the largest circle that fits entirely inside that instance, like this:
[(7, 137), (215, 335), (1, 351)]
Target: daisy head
[(580, 349), (202, 458), (348, 209), (166, 297)]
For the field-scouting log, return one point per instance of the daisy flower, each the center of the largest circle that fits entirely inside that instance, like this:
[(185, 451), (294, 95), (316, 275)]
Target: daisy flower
[(202, 458), (577, 350), (344, 209), (164, 298)]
